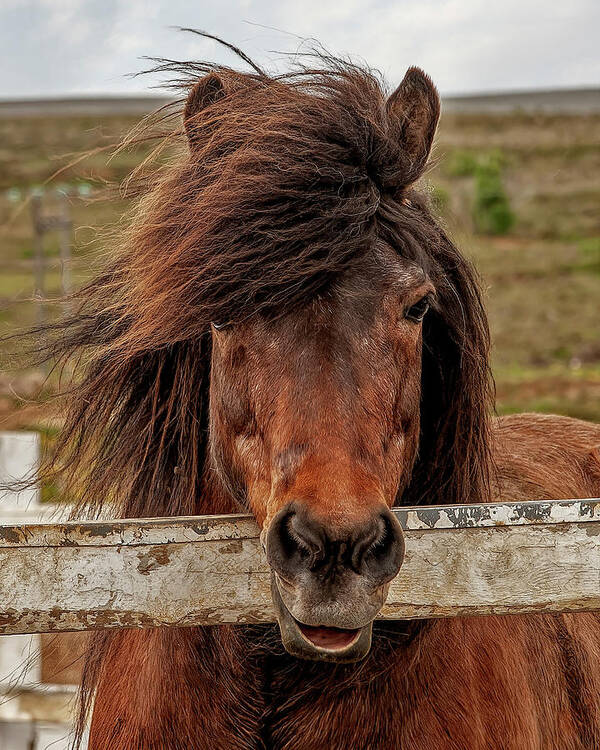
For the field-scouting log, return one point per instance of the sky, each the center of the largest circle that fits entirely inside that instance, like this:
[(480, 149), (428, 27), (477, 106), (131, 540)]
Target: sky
[(73, 47)]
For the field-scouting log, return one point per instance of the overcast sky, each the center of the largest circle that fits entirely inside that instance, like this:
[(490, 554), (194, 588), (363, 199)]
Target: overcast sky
[(54, 47)]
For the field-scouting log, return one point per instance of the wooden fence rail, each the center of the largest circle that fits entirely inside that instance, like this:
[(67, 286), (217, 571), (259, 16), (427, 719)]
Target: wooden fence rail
[(460, 560)]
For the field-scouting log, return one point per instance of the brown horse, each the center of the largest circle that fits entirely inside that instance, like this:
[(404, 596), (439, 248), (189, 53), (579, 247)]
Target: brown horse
[(289, 331)]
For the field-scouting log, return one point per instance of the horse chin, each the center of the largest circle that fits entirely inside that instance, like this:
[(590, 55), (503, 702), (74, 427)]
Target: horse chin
[(319, 643)]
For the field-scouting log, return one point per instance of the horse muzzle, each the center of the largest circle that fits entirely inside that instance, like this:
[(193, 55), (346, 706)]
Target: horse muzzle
[(329, 585)]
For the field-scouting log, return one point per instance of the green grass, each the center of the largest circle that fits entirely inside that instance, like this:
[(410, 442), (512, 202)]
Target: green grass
[(557, 389)]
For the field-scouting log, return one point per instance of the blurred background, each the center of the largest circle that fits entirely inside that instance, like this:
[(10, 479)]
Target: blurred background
[(516, 173), (515, 179)]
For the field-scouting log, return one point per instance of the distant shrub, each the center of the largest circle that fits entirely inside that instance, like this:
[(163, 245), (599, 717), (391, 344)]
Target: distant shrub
[(461, 163), (491, 209), (589, 250)]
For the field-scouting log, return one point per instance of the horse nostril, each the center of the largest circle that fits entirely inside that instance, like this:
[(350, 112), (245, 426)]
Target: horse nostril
[(296, 542), (366, 542), (382, 552), (301, 538), (293, 542)]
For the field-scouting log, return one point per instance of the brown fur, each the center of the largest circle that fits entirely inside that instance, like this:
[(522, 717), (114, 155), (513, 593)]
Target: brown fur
[(489, 683), (289, 186)]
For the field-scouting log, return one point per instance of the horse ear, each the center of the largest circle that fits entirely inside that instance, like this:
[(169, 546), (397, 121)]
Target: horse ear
[(415, 106), (203, 93)]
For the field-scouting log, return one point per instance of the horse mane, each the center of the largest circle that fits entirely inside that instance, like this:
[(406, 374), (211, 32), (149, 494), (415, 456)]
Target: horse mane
[(275, 190), (281, 185)]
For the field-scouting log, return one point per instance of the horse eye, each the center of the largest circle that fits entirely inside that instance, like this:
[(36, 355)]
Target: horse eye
[(417, 312)]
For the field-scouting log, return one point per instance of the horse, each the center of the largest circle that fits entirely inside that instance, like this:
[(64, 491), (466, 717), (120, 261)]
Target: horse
[(287, 329)]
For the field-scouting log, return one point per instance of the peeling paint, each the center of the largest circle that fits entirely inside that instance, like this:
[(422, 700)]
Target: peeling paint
[(499, 514), (232, 548), (153, 559), (460, 560), (12, 534)]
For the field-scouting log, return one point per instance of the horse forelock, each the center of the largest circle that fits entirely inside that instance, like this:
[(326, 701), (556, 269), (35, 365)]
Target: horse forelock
[(284, 188)]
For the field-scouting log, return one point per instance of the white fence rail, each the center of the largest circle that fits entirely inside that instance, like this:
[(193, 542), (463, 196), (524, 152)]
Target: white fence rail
[(460, 560)]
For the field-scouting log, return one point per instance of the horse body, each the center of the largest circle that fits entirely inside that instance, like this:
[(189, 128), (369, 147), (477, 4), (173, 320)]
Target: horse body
[(288, 330), (516, 683), (527, 682)]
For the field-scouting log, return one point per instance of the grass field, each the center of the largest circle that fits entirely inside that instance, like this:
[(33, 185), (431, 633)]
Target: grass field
[(542, 279)]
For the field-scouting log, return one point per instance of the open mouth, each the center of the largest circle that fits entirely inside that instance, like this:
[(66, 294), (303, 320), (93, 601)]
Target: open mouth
[(319, 642), (329, 638)]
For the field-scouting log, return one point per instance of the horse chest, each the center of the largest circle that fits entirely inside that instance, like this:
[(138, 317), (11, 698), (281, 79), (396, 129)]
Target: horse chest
[(494, 683), (474, 684)]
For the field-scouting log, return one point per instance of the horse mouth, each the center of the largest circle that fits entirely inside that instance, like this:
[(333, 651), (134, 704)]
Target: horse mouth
[(319, 642), (329, 638)]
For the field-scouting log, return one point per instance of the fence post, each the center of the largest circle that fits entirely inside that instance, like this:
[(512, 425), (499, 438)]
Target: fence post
[(19, 459), (19, 654), (39, 258), (21, 665), (65, 232)]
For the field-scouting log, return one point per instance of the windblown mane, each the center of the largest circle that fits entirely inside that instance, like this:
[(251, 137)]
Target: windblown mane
[(279, 188)]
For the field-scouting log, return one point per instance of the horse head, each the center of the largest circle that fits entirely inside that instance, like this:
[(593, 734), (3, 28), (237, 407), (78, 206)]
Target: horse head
[(315, 407)]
